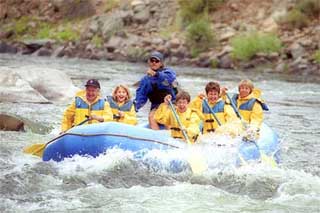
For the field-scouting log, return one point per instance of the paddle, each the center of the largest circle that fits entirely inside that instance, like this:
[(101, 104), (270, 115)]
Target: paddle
[(179, 123), (264, 158), (214, 115), (37, 149), (197, 163)]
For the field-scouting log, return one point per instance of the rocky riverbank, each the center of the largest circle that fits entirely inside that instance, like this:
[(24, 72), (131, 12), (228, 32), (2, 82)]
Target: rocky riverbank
[(127, 30)]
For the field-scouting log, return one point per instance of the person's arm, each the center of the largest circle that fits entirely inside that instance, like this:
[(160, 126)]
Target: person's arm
[(166, 74), (68, 117), (196, 103), (141, 93), (256, 116), (107, 112), (129, 117), (229, 114), (193, 129), (162, 114)]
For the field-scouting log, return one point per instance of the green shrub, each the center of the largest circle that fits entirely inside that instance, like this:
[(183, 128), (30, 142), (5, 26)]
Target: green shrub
[(97, 41), (214, 63), (246, 46), (214, 4), (316, 56), (309, 7), (21, 26), (67, 35), (298, 16), (295, 19), (44, 31), (199, 36), (190, 10), (111, 4)]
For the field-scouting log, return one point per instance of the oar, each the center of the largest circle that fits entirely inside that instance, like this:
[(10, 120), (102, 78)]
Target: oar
[(214, 115), (197, 163), (37, 149), (179, 123), (264, 158)]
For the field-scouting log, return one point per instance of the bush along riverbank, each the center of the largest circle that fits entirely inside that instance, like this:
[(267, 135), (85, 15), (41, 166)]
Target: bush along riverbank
[(269, 36)]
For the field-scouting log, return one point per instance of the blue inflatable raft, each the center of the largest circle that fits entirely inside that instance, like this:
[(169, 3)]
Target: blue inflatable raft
[(95, 139)]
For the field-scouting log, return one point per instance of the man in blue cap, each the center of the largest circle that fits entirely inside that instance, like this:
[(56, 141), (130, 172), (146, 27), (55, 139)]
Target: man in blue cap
[(155, 85), (87, 105)]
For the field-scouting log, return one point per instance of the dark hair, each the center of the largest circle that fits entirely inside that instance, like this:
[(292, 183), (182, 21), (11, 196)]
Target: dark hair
[(183, 95), (212, 86)]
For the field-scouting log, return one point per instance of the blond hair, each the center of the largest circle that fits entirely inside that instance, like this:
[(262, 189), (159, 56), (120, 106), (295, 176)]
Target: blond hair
[(247, 83), (123, 87)]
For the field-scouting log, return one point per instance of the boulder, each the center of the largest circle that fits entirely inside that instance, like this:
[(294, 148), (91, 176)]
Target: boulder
[(6, 48), (10, 123), (52, 84), (13, 88)]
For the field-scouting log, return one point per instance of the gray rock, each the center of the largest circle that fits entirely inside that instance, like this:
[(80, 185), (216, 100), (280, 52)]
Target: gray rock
[(110, 24), (13, 88), (114, 43), (296, 50), (225, 62), (6, 48), (52, 84)]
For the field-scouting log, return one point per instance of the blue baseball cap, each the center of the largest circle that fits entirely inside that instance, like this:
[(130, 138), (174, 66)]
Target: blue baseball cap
[(93, 82), (157, 55)]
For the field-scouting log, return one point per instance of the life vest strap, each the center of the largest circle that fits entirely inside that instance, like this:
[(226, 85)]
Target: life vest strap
[(175, 129), (178, 137), (209, 121)]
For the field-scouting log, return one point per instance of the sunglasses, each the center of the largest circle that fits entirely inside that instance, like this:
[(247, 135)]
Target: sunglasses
[(153, 60)]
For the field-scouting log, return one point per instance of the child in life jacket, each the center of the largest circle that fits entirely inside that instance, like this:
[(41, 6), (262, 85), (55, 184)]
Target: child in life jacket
[(219, 112), (188, 117), (122, 106), (251, 107)]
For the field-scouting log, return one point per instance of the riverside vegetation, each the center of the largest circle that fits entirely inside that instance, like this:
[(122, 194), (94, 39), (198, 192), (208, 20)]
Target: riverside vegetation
[(275, 36)]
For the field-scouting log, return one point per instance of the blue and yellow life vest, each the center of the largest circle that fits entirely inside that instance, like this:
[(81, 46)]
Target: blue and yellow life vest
[(81, 104), (114, 105), (247, 106), (210, 124), (126, 108), (83, 109)]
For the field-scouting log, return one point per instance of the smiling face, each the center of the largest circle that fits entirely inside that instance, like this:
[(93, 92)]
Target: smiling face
[(121, 95), (155, 64), (182, 105), (213, 96), (244, 90), (92, 93)]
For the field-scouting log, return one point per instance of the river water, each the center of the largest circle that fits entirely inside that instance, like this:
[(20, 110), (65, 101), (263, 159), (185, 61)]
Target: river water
[(115, 182)]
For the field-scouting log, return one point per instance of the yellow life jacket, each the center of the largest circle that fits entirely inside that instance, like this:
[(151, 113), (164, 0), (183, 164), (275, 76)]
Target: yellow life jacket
[(128, 109), (190, 120), (80, 108), (251, 108), (210, 124)]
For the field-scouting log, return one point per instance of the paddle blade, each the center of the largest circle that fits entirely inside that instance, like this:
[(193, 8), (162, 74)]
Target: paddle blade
[(268, 160), (35, 149)]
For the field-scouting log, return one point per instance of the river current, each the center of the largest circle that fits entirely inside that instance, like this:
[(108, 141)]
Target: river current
[(116, 182)]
